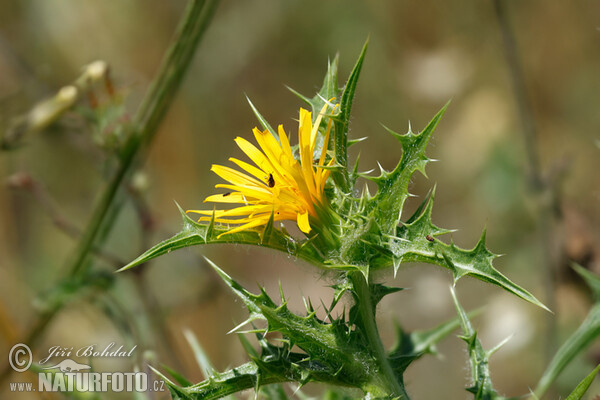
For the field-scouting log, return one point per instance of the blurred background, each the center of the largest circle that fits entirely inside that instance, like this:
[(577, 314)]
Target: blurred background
[(420, 56)]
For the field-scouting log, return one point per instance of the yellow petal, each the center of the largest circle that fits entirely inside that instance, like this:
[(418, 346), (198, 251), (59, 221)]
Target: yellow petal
[(285, 143), (258, 173), (234, 176), (277, 184), (250, 192), (254, 154), (246, 210), (252, 224), (272, 150), (229, 197), (303, 222), (304, 132)]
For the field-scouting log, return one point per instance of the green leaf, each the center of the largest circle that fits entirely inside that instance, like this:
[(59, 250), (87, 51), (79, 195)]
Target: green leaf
[(416, 241), (336, 352), (332, 355), (199, 354), (591, 279), (333, 395), (194, 233), (274, 392), (584, 385), (412, 346), (329, 90), (580, 340), (393, 186), (228, 382), (182, 380), (263, 121), (341, 122), (482, 388)]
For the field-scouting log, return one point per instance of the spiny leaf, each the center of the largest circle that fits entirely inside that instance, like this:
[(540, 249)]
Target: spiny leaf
[(482, 383), (194, 233), (299, 95), (341, 122), (330, 83), (263, 121), (379, 291), (419, 230), (328, 91), (268, 229), (233, 381), (412, 346), (332, 355), (584, 385), (416, 241), (393, 186), (176, 392)]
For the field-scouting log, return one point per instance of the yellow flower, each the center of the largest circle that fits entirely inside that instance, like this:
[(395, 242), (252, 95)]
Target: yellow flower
[(278, 185)]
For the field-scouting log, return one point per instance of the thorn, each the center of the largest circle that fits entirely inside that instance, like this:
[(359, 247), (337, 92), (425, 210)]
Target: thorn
[(200, 355), (396, 238), (366, 190), (330, 104), (327, 312), (296, 390), (497, 347), (305, 304), (281, 293), (235, 329)]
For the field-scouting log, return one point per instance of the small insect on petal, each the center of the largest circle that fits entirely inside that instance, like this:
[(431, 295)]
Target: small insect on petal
[(429, 238), (277, 185)]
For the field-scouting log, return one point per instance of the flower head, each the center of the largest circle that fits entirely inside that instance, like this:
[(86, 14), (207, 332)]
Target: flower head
[(277, 184)]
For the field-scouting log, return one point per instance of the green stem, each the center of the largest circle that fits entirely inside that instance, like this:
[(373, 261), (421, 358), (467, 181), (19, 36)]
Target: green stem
[(149, 116), (545, 195), (146, 122), (385, 378)]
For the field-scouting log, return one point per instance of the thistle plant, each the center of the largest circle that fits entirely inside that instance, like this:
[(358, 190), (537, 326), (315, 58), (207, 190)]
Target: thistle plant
[(342, 229), (300, 194)]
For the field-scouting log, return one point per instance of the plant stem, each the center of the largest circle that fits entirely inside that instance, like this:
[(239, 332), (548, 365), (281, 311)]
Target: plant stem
[(545, 196), (150, 114), (520, 92), (386, 379), (145, 124)]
